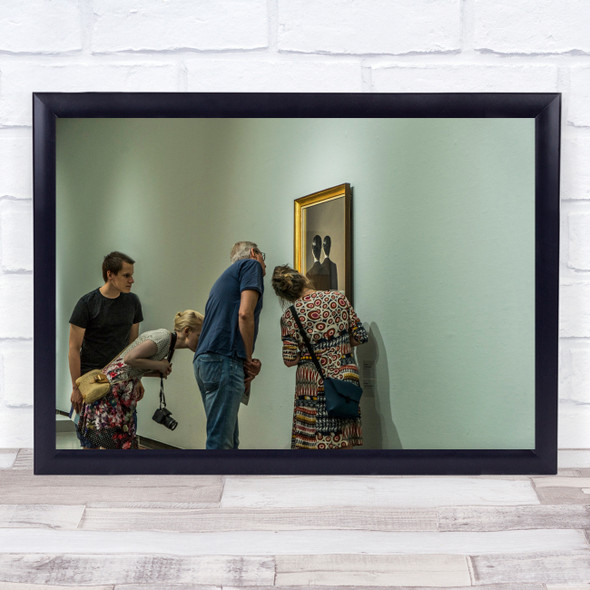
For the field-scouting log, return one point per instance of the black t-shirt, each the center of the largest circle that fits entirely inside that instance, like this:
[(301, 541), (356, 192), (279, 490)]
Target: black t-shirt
[(107, 323)]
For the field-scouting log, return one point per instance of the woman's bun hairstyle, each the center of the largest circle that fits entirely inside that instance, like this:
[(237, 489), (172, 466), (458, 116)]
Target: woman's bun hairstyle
[(288, 283)]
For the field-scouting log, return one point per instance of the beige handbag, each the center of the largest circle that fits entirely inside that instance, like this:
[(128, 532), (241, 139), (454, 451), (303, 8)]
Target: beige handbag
[(93, 385)]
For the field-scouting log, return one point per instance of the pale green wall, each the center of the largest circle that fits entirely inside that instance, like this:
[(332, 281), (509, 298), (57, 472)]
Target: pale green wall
[(443, 258)]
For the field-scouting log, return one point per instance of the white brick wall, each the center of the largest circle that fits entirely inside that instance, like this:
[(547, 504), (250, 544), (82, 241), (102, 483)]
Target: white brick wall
[(377, 27), (448, 76), (273, 74), (154, 25), (291, 45), (39, 27), (16, 239), (529, 27), (575, 172), (16, 164), (580, 95)]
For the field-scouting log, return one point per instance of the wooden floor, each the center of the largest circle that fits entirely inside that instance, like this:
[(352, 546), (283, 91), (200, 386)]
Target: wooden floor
[(213, 532)]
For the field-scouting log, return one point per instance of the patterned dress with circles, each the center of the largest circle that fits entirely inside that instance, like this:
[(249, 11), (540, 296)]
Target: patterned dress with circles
[(329, 321)]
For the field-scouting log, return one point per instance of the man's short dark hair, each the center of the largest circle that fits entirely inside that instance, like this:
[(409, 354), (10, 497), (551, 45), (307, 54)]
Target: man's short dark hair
[(114, 262)]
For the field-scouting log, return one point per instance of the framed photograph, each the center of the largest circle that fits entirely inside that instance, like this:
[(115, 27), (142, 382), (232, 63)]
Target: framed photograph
[(453, 265), (323, 246)]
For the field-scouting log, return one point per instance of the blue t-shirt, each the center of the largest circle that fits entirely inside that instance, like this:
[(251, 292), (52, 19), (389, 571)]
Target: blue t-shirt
[(221, 332)]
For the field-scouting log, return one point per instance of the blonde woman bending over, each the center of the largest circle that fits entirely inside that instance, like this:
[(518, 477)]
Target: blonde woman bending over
[(109, 422)]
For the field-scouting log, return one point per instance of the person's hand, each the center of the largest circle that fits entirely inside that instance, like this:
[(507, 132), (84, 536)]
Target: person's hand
[(77, 400), (164, 368), (252, 368), (140, 390)]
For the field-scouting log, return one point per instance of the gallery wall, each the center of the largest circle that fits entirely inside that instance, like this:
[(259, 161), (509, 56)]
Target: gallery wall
[(443, 259), (290, 45)]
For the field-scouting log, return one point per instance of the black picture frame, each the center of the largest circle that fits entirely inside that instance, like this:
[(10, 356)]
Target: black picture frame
[(544, 108)]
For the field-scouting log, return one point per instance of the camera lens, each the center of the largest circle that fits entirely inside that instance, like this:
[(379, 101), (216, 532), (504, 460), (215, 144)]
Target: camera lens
[(164, 417), (170, 422)]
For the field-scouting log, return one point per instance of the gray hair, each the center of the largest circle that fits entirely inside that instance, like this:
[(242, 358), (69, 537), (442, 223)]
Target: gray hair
[(241, 250)]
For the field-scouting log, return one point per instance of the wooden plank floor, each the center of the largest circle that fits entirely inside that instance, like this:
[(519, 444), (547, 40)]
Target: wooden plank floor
[(214, 532)]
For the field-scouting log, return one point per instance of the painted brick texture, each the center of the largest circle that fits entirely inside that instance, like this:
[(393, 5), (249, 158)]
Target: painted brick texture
[(291, 45), (16, 164), (16, 307), (273, 75), (449, 77), (376, 27), (16, 236), (153, 25), (40, 27), (575, 172), (580, 96), (531, 27)]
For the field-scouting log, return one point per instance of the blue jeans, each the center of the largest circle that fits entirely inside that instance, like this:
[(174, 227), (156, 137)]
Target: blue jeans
[(221, 381)]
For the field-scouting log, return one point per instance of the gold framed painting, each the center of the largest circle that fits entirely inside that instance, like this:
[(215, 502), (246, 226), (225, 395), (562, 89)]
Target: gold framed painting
[(323, 238)]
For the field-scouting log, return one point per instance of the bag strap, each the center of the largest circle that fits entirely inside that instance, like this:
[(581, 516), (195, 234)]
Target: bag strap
[(173, 337), (314, 358)]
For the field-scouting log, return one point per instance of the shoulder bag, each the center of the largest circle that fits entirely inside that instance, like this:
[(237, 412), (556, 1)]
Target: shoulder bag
[(93, 385), (342, 397)]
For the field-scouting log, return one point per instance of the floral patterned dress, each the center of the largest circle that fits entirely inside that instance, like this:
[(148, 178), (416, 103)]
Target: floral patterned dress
[(330, 321), (110, 422)]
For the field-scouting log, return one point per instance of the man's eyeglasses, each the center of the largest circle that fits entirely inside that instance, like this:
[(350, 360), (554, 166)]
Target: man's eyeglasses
[(261, 254)]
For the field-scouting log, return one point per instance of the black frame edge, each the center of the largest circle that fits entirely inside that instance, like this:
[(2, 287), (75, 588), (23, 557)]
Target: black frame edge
[(544, 107)]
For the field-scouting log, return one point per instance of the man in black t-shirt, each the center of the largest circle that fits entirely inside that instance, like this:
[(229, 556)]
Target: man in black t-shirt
[(104, 322)]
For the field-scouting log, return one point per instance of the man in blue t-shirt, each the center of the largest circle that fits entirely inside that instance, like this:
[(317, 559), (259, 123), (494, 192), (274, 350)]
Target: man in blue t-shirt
[(223, 362)]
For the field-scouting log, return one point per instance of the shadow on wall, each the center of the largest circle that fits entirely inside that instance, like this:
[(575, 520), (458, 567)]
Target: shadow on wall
[(379, 430)]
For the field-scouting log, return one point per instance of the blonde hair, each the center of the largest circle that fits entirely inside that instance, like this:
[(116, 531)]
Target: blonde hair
[(189, 318), (287, 283)]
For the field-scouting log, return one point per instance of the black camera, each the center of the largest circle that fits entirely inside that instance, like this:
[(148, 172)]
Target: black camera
[(164, 417)]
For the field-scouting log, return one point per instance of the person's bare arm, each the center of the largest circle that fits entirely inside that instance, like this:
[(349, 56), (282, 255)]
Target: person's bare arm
[(133, 334), (248, 301), (138, 358), (74, 345)]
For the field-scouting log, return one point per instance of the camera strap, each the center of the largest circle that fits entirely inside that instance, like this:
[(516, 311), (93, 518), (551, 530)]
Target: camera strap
[(170, 353)]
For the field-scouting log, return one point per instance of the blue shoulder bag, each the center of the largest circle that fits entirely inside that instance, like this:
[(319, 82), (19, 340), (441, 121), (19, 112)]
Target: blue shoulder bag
[(342, 397)]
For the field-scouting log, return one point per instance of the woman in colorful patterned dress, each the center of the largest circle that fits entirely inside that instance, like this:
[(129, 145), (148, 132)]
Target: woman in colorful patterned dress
[(334, 329), (109, 422)]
